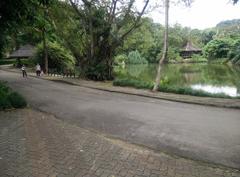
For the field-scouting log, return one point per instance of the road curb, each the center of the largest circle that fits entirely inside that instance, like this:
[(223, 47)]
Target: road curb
[(148, 96)]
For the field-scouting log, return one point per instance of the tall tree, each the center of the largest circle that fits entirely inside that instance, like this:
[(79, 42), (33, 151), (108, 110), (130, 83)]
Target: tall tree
[(103, 23), (165, 45)]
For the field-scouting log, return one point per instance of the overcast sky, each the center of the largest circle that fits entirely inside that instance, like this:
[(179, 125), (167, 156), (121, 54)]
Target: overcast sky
[(203, 13)]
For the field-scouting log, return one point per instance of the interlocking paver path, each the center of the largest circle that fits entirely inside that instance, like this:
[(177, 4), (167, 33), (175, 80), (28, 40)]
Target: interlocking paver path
[(35, 144)]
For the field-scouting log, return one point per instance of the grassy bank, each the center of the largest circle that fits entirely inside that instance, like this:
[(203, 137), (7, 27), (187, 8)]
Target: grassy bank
[(14, 62), (166, 88), (10, 99), (7, 61)]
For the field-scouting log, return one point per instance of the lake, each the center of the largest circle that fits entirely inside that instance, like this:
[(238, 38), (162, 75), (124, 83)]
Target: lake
[(212, 78)]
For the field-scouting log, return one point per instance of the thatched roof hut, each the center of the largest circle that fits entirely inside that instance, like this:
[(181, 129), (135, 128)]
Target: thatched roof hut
[(189, 50), (25, 51)]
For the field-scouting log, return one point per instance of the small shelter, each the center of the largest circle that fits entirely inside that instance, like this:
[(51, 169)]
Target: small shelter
[(25, 51), (189, 50)]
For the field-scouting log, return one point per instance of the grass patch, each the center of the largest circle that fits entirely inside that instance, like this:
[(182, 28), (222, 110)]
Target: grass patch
[(166, 88), (7, 61), (132, 83), (29, 62), (10, 99)]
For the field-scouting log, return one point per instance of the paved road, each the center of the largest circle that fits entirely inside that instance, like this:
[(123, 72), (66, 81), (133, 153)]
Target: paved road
[(199, 132)]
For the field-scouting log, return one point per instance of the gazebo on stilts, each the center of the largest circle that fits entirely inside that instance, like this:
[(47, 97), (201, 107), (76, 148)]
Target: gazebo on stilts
[(189, 50)]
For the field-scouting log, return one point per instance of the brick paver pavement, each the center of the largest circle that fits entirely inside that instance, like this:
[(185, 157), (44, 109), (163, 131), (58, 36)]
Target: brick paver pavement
[(35, 144)]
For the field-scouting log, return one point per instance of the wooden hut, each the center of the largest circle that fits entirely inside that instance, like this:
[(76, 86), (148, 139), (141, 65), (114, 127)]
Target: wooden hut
[(189, 50), (25, 51)]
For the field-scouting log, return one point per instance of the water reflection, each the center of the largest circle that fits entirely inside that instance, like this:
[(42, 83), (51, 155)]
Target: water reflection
[(230, 91), (213, 78)]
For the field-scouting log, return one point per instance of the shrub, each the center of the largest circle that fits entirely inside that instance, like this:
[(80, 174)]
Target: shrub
[(217, 48), (134, 57), (16, 100), (4, 101), (198, 58), (97, 72), (9, 99), (234, 54), (58, 57), (28, 62), (173, 55), (119, 59), (7, 61), (133, 83)]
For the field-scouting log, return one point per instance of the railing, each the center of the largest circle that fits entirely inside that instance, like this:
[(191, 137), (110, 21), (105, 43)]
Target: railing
[(66, 73)]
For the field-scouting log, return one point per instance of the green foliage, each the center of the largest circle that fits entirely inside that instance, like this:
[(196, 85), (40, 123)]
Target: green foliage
[(234, 54), (16, 100), (134, 57), (10, 99), (97, 72), (120, 59), (4, 101), (217, 48), (133, 83), (173, 54), (198, 58), (58, 57), (7, 62)]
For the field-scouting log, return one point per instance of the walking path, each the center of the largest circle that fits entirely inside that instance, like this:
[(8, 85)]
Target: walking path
[(36, 144), (107, 86)]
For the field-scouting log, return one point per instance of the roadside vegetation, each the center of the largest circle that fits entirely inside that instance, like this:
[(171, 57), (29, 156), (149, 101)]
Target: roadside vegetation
[(10, 99), (139, 84)]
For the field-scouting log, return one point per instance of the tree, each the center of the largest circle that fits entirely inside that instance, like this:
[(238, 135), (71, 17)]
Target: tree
[(12, 15), (165, 45), (218, 48), (103, 23)]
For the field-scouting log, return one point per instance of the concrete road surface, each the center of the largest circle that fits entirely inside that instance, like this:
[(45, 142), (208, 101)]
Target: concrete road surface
[(197, 132)]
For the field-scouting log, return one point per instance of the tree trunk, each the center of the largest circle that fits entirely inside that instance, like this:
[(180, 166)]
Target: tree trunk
[(165, 48), (45, 52), (91, 33)]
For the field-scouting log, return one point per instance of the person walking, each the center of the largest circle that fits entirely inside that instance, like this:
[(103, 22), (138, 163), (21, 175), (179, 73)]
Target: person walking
[(24, 73), (38, 70)]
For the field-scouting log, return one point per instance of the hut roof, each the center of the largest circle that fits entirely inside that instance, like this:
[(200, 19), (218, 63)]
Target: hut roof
[(23, 52), (190, 47)]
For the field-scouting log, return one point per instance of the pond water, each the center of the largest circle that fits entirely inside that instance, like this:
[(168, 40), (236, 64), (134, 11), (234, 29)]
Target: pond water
[(212, 78)]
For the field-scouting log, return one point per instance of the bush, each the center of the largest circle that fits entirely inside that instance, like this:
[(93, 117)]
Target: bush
[(198, 58), (4, 101), (134, 57), (58, 57), (16, 100), (29, 62), (234, 54), (97, 72), (120, 59), (10, 99), (133, 83), (7, 61), (217, 48)]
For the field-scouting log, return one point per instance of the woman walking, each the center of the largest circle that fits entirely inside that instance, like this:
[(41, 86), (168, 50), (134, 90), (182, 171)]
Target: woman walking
[(38, 70)]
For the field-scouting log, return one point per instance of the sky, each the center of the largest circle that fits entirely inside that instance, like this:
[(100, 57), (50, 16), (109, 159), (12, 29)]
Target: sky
[(201, 15)]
